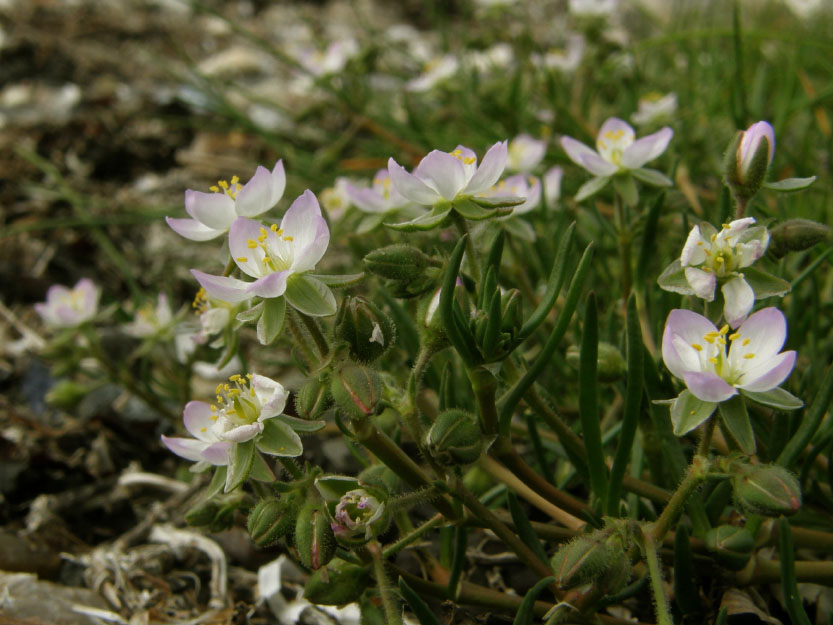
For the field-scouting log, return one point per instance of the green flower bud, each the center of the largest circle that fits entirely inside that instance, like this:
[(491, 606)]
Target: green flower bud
[(795, 235), (455, 438), (732, 546), (768, 490), (584, 559), (619, 569), (313, 398), (400, 262), (511, 312), (269, 521), (202, 514), (356, 391), (340, 584), (367, 331), (610, 365), (381, 477), (314, 536)]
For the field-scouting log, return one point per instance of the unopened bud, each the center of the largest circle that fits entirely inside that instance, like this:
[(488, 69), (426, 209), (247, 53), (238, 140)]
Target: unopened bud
[(511, 312), (768, 490), (455, 438), (356, 391), (610, 365), (748, 158), (269, 521), (731, 546), (314, 536), (313, 398), (367, 331), (584, 559), (340, 584), (398, 262), (795, 235)]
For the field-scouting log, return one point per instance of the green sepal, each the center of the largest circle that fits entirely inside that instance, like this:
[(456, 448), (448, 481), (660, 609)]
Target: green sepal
[(428, 221), (218, 480), (652, 177), (310, 296), (790, 184), (626, 188), (370, 222), (334, 487), (261, 470), (271, 321), (688, 412), (301, 425), (764, 284), (591, 187), (279, 439), (470, 210), (520, 229), (776, 398), (496, 202), (339, 281), (673, 279), (241, 457), (735, 418), (253, 314)]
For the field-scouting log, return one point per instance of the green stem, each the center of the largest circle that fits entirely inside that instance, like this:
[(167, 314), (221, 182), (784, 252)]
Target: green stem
[(655, 571), (412, 537), (696, 474), (229, 268), (291, 467), (390, 603), (315, 332), (484, 385), (624, 241), (471, 252), (706, 442)]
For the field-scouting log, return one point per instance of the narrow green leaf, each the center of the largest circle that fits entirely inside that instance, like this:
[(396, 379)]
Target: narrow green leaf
[(554, 284), (339, 281), (736, 420), (458, 561), (591, 187), (217, 482), (428, 221), (789, 584), (421, 610), (458, 334), (493, 324), (525, 612), (688, 412), (240, 463), (279, 439), (652, 177), (764, 284), (588, 400), (271, 321), (523, 528), (810, 423), (495, 253), (776, 398), (633, 405), (790, 184), (685, 583), (310, 296)]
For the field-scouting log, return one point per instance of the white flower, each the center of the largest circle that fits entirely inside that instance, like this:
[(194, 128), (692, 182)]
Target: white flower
[(563, 60), (592, 8), (655, 108), (552, 185), (213, 213), (67, 308), (434, 72), (710, 258), (519, 185), (525, 153), (443, 176), (151, 320), (497, 57), (336, 199), (381, 197), (331, 60)]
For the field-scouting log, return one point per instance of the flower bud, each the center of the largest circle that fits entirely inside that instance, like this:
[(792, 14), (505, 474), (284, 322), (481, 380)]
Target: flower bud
[(269, 521), (313, 398), (356, 391), (795, 235), (618, 571), (455, 438), (748, 158), (381, 477), (610, 366), (584, 559), (732, 546), (367, 331), (477, 480), (202, 514), (314, 536), (768, 490), (400, 262), (340, 584), (511, 312), (358, 515)]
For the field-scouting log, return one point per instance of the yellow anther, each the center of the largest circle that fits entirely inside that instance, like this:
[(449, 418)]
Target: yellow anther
[(235, 377), (234, 392), (457, 153), (699, 243), (690, 412), (746, 342), (726, 226), (273, 227), (721, 340), (214, 417), (279, 231), (226, 388), (242, 259), (469, 160), (287, 238), (214, 188), (713, 237), (219, 388), (223, 184), (262, 237), (203, 429), (266, 259), (235, 179), (713, 360), (724, 330), (709, 339), (213, 408), (249, 375), (734, 336), (252, 244), (749, 356), (697, 346)]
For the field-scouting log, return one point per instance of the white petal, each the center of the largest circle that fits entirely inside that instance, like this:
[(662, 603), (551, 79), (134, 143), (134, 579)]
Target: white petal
[(769, 374), (223, 288), (215, 210), (248, 259), (443, 172), (306, 258), (701, 282), (187, 448), (271, 394), (615, 136), (273, 285), (691, 328), (197, 419), (708, 386), (762, 334), (739, 299), (411, 187), (693, 250), (256, 195), (646, 149), (584, 157), (192, 229), (490, 169), (243, 433)]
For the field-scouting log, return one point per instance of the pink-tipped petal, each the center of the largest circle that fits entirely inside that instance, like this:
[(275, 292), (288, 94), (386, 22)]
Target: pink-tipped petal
[(278, 182), (217, 453), (367, 200), (411, 187), (187, 448), (301, 221), (192, 229), (443, 172), (215, 210), (256, 195), (587, 158), (647, 148), (243, 433), (305, 258), (273, 285), (197, 419), (769, 374), (490, 170), (766, 331), (242, 231), (223, 288), (708, 386), (738, 299), (688, 327)]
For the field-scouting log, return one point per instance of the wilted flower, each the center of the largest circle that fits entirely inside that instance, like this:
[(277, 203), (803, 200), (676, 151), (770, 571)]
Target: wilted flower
[(67, 308), (435, 71), (239, 415), (524, 153), (695, 351), (213, 213), (655, 108), (443, 176), (710, 258), (150, 320), (275, 255), (355, 513)]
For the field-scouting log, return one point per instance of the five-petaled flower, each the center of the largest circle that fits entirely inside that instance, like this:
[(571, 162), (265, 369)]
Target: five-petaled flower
[(240, 414), (444, 176), (275, 255), (67, 308), (213, 213), (716, 364)]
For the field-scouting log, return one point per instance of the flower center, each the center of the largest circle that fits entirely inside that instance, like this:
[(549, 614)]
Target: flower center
[(268, 261), (200, 303), (237, 403), (721, 365), (230, 189), (466, 160)]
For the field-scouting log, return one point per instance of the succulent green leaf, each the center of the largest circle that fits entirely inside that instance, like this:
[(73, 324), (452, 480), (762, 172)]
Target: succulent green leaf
[(497, 202), (652, 177), (776, 398), (339, 281), (673, 279), (688, 412), (271, 321), (790, 184), (279, 439), (428, 221), (310, 296), (253, 314), (591, 187), (735, 418), (240, 464)]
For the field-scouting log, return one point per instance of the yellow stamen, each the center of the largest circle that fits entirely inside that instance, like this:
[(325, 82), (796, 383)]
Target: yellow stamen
[(749, 356), (252, 244), (242, 259), (203, 429), (713, 360), (273, 227), (698, 347), (288, 239), (235, 377), (745, 342), (724, 329), (214, 188), (734, 336)]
